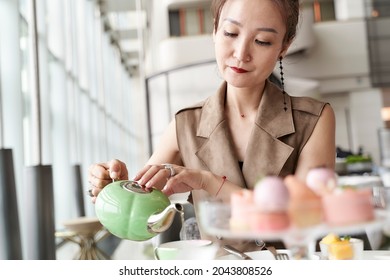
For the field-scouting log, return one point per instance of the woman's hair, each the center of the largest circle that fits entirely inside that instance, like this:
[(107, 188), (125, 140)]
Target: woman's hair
[(289, 10)]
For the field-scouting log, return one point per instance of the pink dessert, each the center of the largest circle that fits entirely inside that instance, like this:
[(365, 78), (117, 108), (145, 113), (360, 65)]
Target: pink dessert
[(321, 180), (346, 206), (262, 209), (271, 194), (270, 221), (271, 198), (242, 206), (305, 207)]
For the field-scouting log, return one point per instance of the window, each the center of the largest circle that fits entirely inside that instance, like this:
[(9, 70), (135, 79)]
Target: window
[(85, 95), (190, 21), (323, 11)]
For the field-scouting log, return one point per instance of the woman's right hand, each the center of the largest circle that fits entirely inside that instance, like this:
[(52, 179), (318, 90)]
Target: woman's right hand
[(101, 174)]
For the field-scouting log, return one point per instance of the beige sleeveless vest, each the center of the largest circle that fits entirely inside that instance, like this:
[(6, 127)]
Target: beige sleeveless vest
[(277, 139)]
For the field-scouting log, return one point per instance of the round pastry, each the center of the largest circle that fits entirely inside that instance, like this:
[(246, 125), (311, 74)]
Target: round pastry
[(270, 221), (305, 207), (271, 194), (321, 180), (271, 199), (348, 205), (242, 207)]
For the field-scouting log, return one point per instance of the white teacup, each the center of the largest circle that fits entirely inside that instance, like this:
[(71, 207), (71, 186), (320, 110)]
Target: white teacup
[(197, 249)]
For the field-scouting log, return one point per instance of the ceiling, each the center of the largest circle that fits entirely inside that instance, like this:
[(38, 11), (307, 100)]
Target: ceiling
[(127, 21)]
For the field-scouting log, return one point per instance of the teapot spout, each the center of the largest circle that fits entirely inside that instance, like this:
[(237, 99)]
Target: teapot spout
[(160, 222)]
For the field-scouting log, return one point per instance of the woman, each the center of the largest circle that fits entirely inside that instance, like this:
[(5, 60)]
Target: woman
[(251, 127)]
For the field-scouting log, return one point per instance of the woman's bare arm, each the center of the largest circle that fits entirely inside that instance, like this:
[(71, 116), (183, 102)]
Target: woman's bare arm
[(320, 149), (167, 149)]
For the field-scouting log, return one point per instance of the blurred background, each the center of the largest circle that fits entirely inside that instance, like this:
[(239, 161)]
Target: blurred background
[(85, 81)]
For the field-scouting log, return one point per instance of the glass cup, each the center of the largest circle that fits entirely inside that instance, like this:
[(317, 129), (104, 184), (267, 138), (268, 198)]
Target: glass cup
[(351, 249)]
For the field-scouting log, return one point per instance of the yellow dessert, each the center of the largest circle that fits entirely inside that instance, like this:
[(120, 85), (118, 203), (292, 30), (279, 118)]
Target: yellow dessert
[(341, 250), (330, 238), (338, 248)]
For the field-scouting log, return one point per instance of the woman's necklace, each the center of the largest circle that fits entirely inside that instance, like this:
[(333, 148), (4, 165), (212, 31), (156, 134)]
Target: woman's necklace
[(241, 114), (238, 111)]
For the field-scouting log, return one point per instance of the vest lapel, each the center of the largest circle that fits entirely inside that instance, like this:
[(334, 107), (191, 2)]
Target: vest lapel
[(215, 152), (266, 154)]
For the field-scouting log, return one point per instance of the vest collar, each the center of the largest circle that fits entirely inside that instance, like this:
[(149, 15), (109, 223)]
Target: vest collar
[(271, 116), (264, 153)]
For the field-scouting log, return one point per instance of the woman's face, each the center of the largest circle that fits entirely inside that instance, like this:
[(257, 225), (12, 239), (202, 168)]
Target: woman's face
[(249, 41)]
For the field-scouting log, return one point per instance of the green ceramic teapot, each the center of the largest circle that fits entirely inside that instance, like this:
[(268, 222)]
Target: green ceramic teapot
[(128, 211)]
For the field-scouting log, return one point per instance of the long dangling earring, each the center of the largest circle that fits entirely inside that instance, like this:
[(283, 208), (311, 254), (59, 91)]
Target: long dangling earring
[(282, 81)]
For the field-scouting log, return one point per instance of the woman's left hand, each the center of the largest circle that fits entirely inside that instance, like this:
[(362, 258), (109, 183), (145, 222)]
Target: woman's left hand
[(170, 178), (155, 175), (186, 180)]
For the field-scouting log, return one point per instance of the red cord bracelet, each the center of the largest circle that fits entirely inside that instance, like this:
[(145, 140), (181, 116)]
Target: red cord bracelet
[(220, 187)]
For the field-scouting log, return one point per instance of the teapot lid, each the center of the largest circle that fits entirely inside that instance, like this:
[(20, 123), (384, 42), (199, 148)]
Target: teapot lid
[(133, 186)]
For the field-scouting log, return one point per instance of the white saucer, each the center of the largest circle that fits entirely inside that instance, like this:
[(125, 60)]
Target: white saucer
[(376, 255), (372, 255), (266, 255), (262, 255)]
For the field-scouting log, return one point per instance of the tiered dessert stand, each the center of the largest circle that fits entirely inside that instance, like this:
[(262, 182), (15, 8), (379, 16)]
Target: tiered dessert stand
[(215, 216)]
